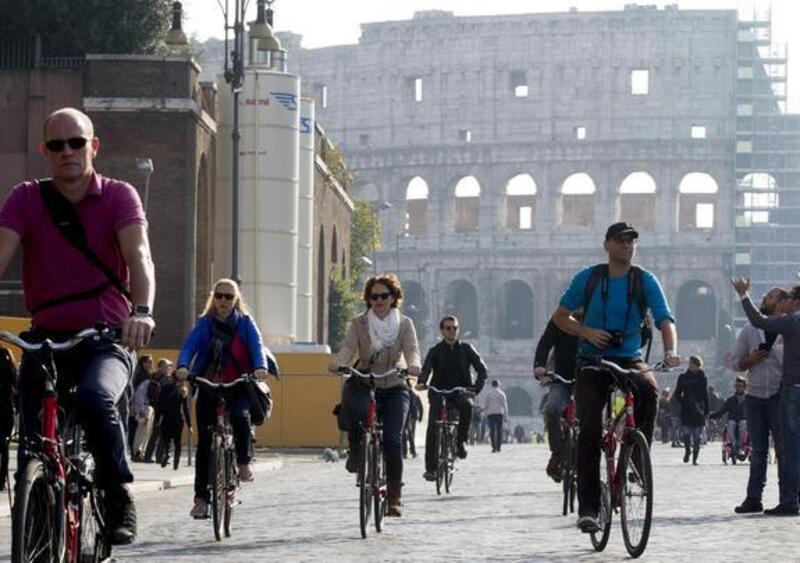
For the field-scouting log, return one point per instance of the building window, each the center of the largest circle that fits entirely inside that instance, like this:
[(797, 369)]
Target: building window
[(465, 135), (519, 84), (525, 218), (580, 133), (363, 140), (418, 89), (698, 132), (324, 96), (640, 82)]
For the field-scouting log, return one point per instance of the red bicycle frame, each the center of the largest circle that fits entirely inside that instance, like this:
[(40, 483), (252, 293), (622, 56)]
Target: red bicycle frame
[(613, 435)]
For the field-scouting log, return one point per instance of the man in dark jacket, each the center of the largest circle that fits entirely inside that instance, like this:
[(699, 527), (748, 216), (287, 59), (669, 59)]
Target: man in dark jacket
[(450, 362), (174, 405), (160, 380), (734, 408), (565, 351), (692, 394)]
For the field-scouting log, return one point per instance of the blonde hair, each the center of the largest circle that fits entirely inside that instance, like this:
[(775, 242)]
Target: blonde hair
[(238, 303)]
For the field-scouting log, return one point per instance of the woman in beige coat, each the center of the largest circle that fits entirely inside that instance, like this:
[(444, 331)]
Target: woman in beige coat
[(381, 339)]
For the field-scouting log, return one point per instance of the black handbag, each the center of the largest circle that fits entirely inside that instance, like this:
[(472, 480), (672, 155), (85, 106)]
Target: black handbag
[(260, 401)]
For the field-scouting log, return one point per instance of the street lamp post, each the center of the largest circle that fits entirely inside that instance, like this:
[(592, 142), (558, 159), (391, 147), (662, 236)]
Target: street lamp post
[(376, 208)]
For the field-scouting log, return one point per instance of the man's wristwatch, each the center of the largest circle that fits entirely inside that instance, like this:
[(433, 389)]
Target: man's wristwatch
[(142, 311)]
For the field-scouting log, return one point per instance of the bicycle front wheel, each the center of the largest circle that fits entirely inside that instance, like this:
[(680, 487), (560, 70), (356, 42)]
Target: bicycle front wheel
[(635, 493), (451, 459), (230, 489), (568, 471), (37, 533), (217, 484), (379, 484), (441, 458), (606, 512), (365, 484)]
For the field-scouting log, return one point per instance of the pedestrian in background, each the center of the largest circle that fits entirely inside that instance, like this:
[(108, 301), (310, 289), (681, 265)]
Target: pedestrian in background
[(144, 367), (144, 413), (415, 414), (692, 394), (495, 407), (8, 397), (663, 418), (160, 379), (174, 406)]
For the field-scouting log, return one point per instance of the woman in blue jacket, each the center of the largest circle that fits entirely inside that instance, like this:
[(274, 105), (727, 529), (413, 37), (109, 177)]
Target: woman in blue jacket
[(224, 344)]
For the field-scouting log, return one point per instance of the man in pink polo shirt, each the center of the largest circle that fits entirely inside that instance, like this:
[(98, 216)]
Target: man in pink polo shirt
[(66, 291)]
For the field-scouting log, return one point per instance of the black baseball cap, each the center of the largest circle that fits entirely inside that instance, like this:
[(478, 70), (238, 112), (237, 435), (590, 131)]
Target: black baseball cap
[(621, 228)]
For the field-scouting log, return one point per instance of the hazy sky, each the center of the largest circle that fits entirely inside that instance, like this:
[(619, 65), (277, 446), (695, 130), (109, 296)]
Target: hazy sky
[(335, 22)]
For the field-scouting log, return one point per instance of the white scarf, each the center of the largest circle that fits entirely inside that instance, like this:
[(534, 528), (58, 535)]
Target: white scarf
[(383, 332)]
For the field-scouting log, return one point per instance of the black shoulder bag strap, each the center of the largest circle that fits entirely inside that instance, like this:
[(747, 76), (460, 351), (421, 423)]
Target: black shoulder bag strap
[(68, 223)]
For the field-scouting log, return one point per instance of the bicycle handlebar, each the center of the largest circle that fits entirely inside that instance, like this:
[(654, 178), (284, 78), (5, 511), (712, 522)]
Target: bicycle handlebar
[(207, 383), (551, 376), (86, 333), (452, 390), (604, 365), (353, 372)]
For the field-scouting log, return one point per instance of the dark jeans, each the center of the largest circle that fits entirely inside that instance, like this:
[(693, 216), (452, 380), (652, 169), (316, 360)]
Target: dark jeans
[(552, 411), (409, 433), (102, 371), (763, 417), (789, 465), (392, 404), (495, 422), (591, 392), (237, 405), (171, 435), (460, 403)]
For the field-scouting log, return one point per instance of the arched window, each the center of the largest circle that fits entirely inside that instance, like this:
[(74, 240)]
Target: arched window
[(576, 204), (520, 403), (697, 201), (467, 193), (758, 195), (520, 200), (334, 247), (417, 206), (414, 305), (462, 301), (637, 201), (696, 311), (516, 311)]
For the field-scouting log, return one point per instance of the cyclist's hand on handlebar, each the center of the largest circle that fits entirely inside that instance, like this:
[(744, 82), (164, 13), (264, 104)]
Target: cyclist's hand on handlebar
[(261, 374), (539, 372), (136, 331), (672, 360), (597, 336), (421, 386)]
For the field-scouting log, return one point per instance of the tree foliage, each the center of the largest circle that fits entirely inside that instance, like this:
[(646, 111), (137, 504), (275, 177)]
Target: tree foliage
[(74, 28), (343, 303)]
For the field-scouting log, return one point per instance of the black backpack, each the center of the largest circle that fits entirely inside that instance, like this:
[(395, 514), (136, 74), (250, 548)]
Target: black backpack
[(635, 294)]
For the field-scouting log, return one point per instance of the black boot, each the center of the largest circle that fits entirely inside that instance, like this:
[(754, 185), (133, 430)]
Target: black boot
[(695, 453), (687, 453), (121, 515)]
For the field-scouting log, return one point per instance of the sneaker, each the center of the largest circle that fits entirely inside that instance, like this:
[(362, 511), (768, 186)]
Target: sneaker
[(749, 506), (782, 510), (461, 451), (122, 516), (429, 476), (554, 468), (588, 524), (245, 472), (200, 509)]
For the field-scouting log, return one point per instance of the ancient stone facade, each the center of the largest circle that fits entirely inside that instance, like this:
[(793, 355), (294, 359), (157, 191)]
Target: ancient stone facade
[(507, 144)]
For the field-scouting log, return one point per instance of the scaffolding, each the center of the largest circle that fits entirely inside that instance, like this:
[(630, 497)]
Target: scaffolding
[(767, 203)]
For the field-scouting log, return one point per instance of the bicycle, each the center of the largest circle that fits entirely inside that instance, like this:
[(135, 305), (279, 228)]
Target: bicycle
[(371, 475), (58, 512), (447, 437), (728, 452), (627, 486), (569, 426), (223, 474)]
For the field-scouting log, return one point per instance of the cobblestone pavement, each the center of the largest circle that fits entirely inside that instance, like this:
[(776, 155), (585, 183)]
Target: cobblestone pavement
[(502, 508)]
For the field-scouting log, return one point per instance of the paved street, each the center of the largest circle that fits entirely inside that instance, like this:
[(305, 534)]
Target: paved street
[(502, 508)]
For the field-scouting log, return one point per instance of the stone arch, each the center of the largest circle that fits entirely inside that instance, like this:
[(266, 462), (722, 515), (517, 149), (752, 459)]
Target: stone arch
[(757, 194), (467, 203), (697, 201), (520, 402), (636, 201), (696, 311), (417, 196), (520, 202), (462, 301), (515, 319), (414, 304), (576, 201)]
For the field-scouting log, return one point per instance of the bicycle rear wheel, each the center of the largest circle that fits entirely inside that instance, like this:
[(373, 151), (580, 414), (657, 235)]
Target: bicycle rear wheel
[(365, 484), (441, 458), (217, 484), (379, 485), (230, 489), (636, 492), (37, 532), (605, 514)]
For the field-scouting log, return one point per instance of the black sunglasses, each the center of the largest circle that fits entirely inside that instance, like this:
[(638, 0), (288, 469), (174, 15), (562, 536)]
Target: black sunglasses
[(57, 145), (450, 327), (225, 296), (376, 296)]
